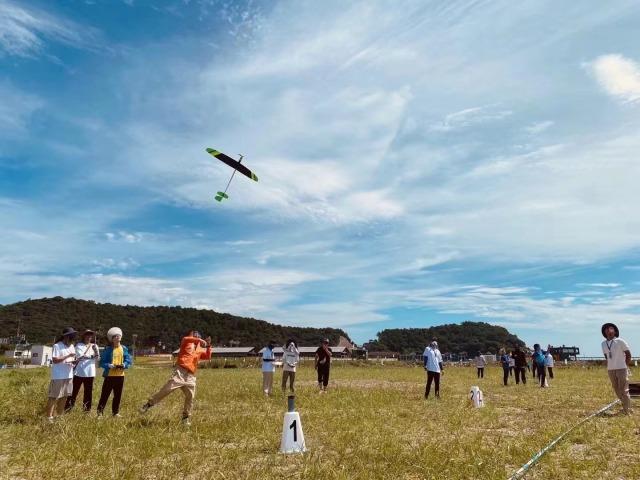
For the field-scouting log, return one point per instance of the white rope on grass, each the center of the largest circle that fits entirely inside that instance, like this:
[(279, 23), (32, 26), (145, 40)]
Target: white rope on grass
[(539, 455)]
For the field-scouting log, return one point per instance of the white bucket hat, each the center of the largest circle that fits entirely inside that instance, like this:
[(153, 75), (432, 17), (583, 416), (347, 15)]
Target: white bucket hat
[(113, 331)]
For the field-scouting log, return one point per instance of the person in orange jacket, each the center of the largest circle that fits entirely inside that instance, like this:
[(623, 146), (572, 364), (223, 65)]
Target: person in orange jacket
[(192, 350)]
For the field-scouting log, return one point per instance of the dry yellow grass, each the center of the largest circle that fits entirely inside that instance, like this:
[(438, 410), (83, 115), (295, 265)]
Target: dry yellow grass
[(372, 424)]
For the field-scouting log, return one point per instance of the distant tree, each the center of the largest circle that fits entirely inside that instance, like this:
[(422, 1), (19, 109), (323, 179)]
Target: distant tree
[(469, 337), (44, 319)]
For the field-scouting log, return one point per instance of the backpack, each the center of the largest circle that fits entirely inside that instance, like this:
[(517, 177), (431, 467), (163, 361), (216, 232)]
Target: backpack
[(539, 358)]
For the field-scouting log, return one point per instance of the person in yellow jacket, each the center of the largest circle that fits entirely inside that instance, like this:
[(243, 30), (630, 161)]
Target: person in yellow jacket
[(114, 361), (192, 350)]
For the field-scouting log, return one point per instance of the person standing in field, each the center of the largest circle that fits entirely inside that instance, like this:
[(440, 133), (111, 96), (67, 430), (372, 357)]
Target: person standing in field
[(505, 361), (480, 364), (618, 356), (114, 361), (192, 350), (87, 353), (323, 364), (548, 363), (290, 361), (538, 362), (61, 385), (520, 360), (434, 367), (512, 364), (268, 368), (534, 368)]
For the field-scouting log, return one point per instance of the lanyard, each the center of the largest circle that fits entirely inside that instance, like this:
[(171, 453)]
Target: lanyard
[(609, 346)]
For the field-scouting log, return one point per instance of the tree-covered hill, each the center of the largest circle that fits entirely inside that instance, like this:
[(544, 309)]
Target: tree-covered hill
[(469, 337), (43, 319)]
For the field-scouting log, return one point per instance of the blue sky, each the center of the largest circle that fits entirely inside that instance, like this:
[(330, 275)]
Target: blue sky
[(420, 162)]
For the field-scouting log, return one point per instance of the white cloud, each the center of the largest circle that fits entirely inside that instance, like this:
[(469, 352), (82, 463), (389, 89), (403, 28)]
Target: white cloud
[(23, 30), (619, 76), (470, 117), (128, 237), (112, 264)]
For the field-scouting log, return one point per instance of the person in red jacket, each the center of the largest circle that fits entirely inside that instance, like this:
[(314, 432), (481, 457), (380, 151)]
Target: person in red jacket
[(192, 350)]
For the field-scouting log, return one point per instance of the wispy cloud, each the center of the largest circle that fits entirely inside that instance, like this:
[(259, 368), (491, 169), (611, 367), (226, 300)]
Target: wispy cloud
[(470, 117), (16, 109), (24, 31), (408, 173)]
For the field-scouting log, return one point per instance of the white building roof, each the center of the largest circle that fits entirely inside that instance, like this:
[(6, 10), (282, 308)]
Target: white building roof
[(279, 350)]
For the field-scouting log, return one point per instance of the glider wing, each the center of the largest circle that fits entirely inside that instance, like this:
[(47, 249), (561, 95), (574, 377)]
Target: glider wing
[(233, 163)]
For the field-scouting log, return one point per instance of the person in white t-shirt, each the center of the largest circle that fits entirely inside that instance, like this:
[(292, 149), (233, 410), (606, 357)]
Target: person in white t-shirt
[(433, 365), (480, 364), (618, 356), (87, 354), (268, 368), (63, 357), (548, 362), (290, 361)]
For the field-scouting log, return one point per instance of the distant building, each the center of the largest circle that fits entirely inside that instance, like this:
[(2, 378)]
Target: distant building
[(310, 352), (41, 355), (564, 353), (22, 351)]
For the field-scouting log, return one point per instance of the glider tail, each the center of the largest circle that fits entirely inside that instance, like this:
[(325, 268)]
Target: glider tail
[(221, 196)]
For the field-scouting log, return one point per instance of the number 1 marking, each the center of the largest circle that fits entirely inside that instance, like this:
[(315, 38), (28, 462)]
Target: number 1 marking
[(293, 426)]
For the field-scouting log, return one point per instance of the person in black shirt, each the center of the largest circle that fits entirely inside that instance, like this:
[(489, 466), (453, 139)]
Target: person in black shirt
[(323, 364), (521, 365)]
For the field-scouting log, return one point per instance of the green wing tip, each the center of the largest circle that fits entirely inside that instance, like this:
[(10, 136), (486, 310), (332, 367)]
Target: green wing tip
[(212, 151), (254, 177)]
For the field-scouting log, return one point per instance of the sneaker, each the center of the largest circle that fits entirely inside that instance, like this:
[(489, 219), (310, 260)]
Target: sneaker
[(145, 408), (117, 415), (51, 419), (186, 421)]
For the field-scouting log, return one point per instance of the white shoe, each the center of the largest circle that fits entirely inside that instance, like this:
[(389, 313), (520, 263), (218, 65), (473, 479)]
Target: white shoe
[(51, 419), (186, 421)]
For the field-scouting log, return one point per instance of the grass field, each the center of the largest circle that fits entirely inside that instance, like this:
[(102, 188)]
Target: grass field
[(373, 424)]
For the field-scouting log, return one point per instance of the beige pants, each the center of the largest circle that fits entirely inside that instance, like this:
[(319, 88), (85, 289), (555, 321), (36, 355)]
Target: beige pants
[(620, 384), (267, 382), (292, 378), (183, 380)]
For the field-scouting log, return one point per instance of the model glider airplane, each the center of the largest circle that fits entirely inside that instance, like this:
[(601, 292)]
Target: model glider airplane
[(237, 167)]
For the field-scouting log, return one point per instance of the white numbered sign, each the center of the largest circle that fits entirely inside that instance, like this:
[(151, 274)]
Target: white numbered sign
[(292, 436), (475, 395)]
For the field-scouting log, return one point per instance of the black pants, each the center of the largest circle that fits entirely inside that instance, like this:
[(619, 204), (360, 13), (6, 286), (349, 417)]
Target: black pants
[(521, 372), (480, 372), (505, 371), (115, 385), (550, 372), (87, 395), (431, 377), (541, 375), (534, 369), (511, 371), (323, 374)]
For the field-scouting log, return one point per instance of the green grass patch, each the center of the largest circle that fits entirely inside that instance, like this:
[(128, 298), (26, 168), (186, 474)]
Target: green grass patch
[(372, 424)]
